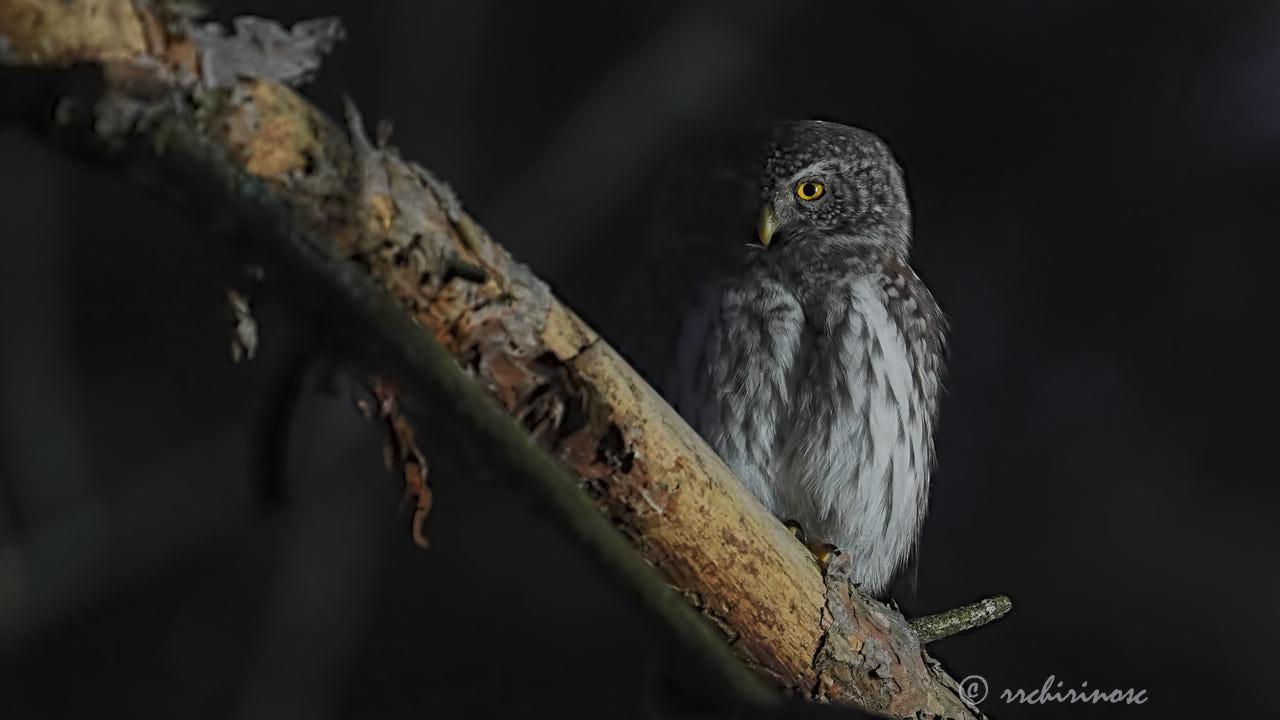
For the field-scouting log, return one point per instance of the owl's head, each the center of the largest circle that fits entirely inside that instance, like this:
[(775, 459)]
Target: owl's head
[(830, 186)]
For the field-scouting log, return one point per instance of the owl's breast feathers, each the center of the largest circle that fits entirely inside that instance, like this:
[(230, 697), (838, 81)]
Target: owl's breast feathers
[(819, 387)]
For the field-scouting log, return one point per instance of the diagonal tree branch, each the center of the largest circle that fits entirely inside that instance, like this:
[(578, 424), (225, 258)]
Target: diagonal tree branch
[(474, 333)]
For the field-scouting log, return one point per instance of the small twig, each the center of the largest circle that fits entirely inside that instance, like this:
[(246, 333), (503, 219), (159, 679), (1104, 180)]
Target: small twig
[(966, 617)]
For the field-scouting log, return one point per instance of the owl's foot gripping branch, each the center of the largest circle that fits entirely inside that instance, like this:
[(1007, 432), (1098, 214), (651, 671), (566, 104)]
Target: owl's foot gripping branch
[(374, 243)]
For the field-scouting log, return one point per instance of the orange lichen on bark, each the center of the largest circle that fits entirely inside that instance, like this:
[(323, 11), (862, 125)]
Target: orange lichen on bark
[(54, 32), (268, 130)]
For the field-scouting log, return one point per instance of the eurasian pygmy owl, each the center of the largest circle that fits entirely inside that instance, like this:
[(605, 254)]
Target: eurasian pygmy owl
[(811, 360)]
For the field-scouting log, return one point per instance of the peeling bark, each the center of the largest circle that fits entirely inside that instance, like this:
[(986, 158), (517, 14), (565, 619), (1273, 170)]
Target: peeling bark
[(391, 239)]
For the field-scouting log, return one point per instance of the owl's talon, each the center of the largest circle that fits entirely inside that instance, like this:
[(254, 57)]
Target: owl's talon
[(797, 532), (823, 553)]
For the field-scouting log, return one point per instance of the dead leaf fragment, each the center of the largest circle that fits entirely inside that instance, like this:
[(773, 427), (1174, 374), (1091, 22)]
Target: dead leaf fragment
[(402, 452), (244, 330), (265, 49)]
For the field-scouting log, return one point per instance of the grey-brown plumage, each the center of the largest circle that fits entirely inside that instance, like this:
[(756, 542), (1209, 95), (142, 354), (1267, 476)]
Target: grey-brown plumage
[(812, 359)]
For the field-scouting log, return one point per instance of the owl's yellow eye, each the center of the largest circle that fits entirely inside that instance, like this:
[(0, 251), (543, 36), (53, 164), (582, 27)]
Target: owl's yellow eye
[(809, 190)]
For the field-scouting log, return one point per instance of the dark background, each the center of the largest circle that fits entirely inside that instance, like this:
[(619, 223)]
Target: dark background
[(1095, 186)]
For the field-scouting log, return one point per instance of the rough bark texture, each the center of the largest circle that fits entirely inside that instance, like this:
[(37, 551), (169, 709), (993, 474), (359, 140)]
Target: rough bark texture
[(365, 214)]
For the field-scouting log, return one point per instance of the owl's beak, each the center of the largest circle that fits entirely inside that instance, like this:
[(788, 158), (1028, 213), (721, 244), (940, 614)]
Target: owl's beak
[(767, 225)]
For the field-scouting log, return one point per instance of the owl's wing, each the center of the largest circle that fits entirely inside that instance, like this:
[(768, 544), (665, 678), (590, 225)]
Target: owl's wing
[(684, 369)]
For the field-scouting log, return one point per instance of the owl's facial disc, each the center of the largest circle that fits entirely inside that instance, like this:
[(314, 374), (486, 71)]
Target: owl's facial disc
[(797, 206), (829, 188)]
